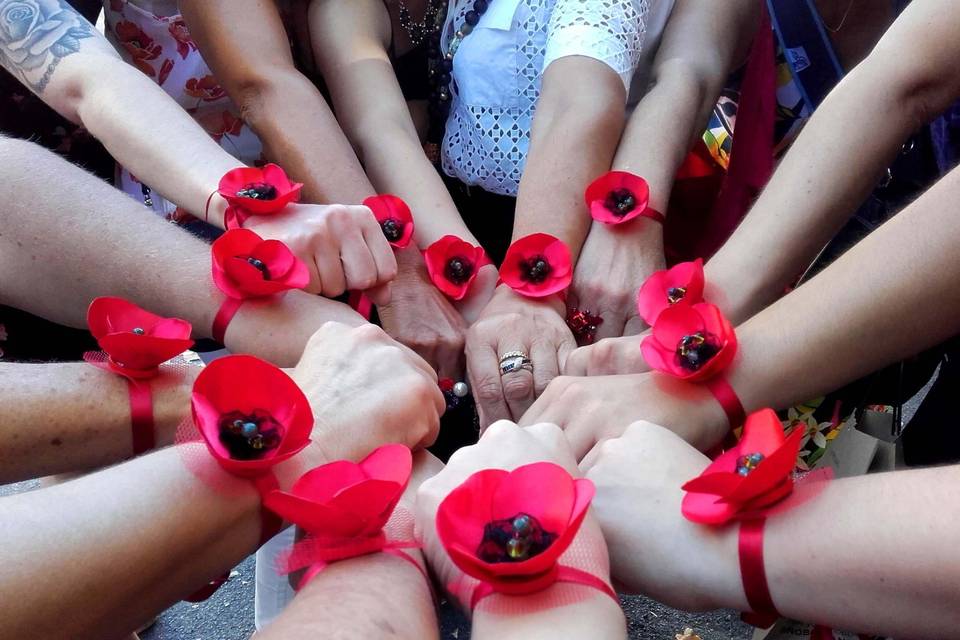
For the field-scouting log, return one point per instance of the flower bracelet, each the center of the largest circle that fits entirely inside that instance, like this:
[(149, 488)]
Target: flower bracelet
[(618, 196)]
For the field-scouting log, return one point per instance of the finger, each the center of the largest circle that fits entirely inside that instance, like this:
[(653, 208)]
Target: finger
[(517, 385), (591, 457), (545, 365), (450, 363), (359, 269), (577, 362), (612, 325), (565, 347), (380, 249), (634, 326), (552, 438), (483, 371), (380, 295), (330, 268)]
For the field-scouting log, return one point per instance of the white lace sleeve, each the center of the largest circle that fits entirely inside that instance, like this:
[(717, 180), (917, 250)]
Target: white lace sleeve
[(611, 31)]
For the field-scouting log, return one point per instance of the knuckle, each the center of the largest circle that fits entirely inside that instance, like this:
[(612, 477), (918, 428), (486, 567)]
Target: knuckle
[(369, 333), (488, 390), (517, 387), (499, 430)]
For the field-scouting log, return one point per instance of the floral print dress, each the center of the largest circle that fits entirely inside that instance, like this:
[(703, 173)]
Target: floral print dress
[(160, 46)]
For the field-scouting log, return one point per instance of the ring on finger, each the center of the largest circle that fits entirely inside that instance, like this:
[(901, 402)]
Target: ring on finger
[(515, 361)]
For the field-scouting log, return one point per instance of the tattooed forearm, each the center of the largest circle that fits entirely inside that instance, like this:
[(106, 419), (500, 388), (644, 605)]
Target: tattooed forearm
[(35, 35)]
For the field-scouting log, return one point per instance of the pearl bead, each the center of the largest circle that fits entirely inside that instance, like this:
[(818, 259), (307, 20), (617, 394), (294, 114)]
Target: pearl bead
[(139, 331), (461, 389)]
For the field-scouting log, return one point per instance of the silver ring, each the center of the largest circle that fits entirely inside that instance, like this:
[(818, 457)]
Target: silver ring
[(515, 361)]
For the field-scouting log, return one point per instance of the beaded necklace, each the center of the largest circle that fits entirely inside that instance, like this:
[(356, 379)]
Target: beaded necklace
[(440, 73)]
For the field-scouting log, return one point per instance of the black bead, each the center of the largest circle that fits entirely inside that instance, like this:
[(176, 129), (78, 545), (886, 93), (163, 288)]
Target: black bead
[(446, 65), (471, 18), (621, 202), (443, 79), (535, 270), (392, 229), (480, 6), (499, 536), (244, 447), (139, 331), (458, 270), (696, 350), (258, 191), (259, 266)]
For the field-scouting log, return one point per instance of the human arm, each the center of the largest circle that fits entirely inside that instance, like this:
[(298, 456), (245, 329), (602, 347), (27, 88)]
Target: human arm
[(562, 610), (838, 158), (702, 42), (865, 554)]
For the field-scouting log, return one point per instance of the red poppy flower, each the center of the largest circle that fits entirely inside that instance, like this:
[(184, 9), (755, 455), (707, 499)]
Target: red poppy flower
[(250, 413), (247, 266), (345, 500), (136, 341), (509, 528), (139, 45), (178, 29), (537, 265), (690, 342), (745, 480), (259, 191), (394, 217), (206, 88), (681, 283), (453, 265), (619, 196)]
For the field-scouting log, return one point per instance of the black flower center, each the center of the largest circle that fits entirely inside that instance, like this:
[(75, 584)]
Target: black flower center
[(514, 539), (676, 294), (249, 436), (694, 351), (392, 229), (746, 464), (535, 270), (458, 270), (258, 191), (621, 202), (259, 266)]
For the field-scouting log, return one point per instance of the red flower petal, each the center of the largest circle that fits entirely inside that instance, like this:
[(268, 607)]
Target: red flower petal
[(387, 207), (437, 257), (237, 278), (515, 269), (653, 296), (598, 195), (237, 179), (245, 384), (112, 321)]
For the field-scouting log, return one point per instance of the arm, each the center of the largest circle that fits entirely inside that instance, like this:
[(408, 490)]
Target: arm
[(51, 426), (701, 44), (866, 554), (905, 82)]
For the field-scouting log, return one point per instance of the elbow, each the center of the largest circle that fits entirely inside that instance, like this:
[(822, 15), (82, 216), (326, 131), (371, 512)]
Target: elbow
[(694, 81), (256, 92)]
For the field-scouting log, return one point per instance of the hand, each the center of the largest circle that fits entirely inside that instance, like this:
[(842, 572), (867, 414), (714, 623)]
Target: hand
[(613, 264), (503, 446), (479, 295), (342, 246), (514, 323), (591, 410), (654, 550), (422, 318), (608, 357), (366, 390)]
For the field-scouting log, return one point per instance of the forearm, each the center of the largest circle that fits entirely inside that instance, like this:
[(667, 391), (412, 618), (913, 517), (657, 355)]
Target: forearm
[(71, 238), (587, 614), (575, 132), (889, 297), (67, 417), (375, 596), (878, 540), (80, 562)]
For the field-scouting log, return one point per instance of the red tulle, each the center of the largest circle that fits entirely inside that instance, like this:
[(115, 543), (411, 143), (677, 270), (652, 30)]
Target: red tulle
[(438, 257), (394, 217), (681, 284), (604, 193), (284, 192), (524, 256)]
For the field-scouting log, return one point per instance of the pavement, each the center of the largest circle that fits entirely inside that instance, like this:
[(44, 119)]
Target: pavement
[(228, 615)]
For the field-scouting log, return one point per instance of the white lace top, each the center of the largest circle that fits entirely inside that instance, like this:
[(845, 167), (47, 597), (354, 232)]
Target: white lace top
[(498, 68)]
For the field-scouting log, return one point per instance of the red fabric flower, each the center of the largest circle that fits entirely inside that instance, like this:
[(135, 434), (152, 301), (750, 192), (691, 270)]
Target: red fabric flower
[(537, 265), (509, 528), (690, 342), (139, 45), (178, 29), (394, 217), (206, 88), (747, 479), (345, 500), (619, 196), (247, 266), (453, 265), (250, 413), (681, 283), (219, 124), (136, 341), (259, 191)]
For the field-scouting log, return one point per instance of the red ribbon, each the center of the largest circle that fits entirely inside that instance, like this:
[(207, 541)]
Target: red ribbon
[(224, 315), (728, 399), (559, 573), (355, 549), (234, 217), (654, 215), (141, 416), (360, 303), (754, 575)]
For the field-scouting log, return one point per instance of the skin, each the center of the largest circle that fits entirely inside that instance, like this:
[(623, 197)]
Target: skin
[(247, 47), (702, 43), (576, 128), (562, 610), (81, 77), (881, 573), (800, 347)]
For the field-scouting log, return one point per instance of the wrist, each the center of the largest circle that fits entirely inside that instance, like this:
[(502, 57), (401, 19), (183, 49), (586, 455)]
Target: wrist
[(171, 400), (216, 210), (583, 613)]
